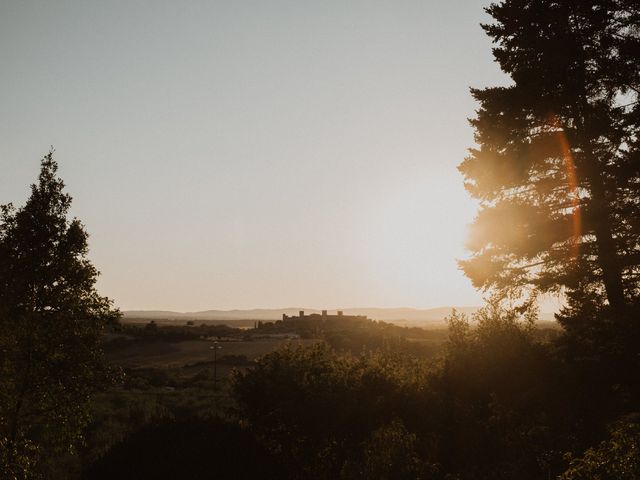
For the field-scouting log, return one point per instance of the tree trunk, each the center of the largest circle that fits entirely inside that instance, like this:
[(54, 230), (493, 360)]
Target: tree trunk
[(607, 248)]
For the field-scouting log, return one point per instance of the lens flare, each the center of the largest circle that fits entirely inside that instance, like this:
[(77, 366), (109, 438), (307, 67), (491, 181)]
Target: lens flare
[(572, 180)]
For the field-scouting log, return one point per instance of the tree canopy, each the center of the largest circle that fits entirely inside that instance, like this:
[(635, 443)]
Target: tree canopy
[(557, 163), (51, 319)]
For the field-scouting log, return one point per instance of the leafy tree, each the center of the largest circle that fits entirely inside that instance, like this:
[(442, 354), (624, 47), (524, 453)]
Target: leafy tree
[(616, 457), (557, 167), (51, 319), (327, 414), (504, 398)]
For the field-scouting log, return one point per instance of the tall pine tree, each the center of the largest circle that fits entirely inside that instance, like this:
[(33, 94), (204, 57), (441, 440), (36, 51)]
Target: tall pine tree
[(557, 167)]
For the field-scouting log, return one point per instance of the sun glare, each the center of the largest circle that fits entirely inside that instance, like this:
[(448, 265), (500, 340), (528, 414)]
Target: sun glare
[(414, 238), (572, 180)]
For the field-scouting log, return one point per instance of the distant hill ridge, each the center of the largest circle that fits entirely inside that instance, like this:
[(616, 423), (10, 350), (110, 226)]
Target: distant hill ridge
[(409, 315)]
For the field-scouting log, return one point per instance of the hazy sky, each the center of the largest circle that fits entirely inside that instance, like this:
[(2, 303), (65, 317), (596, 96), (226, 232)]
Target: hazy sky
[(240, 154)]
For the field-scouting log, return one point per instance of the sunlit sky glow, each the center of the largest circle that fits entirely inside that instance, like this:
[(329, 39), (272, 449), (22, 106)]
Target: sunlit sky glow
[(247, 154)]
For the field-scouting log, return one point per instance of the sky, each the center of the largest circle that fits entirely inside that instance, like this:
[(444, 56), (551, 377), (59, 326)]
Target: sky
[(244, 154)]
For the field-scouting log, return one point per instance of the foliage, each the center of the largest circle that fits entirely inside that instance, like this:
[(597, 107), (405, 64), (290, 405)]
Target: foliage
[(17, 458), (616, 457), (319, 408), (499, 387), (557, 167), (51, 319), (390, 452)]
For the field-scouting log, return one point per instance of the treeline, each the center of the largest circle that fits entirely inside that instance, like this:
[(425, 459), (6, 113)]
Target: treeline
[(356, 334), (344, 335), (123, 334)]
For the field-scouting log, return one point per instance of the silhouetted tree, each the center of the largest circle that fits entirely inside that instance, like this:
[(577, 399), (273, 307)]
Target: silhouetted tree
[(51, 318), (557, 169), (504, 403)]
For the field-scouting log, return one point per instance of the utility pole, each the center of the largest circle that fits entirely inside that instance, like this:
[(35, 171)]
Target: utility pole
[(215, 364), (215, 348)]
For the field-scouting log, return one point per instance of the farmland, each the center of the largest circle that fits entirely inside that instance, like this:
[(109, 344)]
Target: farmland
[(195, 352)]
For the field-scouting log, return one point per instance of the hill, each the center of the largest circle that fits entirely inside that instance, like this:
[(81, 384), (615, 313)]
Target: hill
[(404, 316)]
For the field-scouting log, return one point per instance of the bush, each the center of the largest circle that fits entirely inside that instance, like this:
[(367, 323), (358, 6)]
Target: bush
[(322, 408)]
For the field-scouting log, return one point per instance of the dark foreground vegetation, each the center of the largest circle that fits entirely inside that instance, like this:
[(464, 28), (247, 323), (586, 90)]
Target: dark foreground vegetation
[(557, 173), (501, 399)]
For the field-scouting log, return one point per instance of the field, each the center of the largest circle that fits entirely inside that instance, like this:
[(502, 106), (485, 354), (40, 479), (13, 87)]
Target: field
[(192, 352), (165, 378)]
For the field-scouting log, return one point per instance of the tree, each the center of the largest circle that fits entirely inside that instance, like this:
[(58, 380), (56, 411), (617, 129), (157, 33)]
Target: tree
[(328, 413), (557, 167), (616, 457), (51, 319)]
